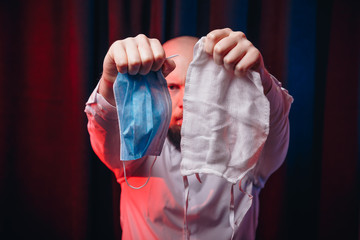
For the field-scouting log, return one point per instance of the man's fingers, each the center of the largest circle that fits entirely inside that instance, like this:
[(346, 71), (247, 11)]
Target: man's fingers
[(236, 53), (138, 55), (158, 54), (233, 57), (232, 50), (146, 54), (143, 54), (117, 54), (251, 60), (133, 56), (222, 48), (213, 38)]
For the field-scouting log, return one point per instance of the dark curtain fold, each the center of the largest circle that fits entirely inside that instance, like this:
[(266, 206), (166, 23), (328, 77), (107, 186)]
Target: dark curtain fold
[(44, 170), (52, 186)]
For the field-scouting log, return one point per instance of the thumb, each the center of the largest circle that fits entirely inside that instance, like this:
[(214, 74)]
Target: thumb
[(168, 66)]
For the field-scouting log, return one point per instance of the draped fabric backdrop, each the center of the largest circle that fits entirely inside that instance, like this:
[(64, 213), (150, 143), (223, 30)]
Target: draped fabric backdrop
[(52, 186)]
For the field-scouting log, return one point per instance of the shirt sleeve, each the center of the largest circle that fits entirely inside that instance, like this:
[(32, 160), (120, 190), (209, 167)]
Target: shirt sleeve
[(276, 145), (103, 128)]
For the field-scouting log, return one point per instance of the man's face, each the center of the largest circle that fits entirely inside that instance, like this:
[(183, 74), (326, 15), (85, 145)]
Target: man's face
[(176, 83), (176, 86)]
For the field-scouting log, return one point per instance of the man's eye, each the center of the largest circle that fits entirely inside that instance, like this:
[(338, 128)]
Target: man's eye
[(172, 87)]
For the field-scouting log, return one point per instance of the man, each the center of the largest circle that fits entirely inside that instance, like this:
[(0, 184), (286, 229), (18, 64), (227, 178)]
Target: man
[(157, 210)]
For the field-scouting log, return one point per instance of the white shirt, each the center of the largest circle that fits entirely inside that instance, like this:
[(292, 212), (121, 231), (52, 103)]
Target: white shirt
[(157, 210)]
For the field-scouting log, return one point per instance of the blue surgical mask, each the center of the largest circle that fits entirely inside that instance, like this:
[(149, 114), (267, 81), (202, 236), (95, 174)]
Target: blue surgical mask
[(143, 105)]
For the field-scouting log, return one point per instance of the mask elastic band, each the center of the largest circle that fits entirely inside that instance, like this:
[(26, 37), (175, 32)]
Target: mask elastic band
[(175, 55), (242, 190), (186, 204), (198, 177), (232, 212), (146, 180)]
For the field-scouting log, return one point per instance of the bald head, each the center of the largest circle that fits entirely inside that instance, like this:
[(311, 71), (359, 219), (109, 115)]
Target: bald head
[(184, 43), (183, 46)]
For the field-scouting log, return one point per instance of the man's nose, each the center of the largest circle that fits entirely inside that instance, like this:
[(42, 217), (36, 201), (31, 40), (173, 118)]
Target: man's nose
[(181, 97)]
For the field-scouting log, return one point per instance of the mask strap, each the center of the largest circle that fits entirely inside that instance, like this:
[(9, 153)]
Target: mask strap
[(186, 229), (233, 224), (146, 180), (198, 177), (242, 190), (232, 211)]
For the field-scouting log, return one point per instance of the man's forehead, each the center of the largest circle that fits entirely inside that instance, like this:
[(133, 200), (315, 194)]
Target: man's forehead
[(178, 75), (184, 44), (183, 47)]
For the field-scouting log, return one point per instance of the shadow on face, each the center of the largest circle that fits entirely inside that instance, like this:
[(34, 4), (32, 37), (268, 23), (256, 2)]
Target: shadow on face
[(183, 46)]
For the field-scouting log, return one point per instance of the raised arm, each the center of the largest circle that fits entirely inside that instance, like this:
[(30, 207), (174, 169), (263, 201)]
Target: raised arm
[(236, 53), (137, 55)]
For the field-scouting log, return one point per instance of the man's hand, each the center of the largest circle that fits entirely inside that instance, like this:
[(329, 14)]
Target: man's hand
[(236, 53), (138, 55)]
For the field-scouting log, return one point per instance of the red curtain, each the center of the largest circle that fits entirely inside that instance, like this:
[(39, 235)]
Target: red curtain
[(44, 169)]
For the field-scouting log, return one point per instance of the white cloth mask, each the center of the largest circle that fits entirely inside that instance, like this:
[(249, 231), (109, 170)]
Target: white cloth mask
[(225, 119)]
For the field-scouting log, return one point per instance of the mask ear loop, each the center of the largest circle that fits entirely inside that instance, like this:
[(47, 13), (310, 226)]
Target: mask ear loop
[(146, 180), (186, 205), (232, 212)]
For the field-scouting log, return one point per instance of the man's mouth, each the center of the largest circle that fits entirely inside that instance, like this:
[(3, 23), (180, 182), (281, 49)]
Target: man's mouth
[(179, 121)]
